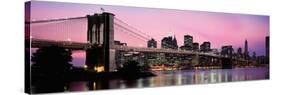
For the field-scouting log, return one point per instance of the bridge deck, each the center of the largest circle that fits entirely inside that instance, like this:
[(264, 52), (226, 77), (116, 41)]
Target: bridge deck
[(38, 43)]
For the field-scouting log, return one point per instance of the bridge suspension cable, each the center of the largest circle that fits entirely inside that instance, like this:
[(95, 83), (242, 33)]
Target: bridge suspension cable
[(132, 29), (53, 20), (129, 32), (64, 29)]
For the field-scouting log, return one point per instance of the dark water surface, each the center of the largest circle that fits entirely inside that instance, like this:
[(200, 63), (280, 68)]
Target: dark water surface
[(165, 78), (181, 77)]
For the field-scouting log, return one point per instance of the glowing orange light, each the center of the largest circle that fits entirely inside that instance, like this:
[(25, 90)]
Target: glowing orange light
[(85, 66), (99, 69)]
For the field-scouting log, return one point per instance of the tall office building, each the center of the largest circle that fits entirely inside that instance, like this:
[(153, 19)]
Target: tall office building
[(239, 52), (195, 46), (254, 56), (175, 43), (227, 50), (169, 43), (188, 42), (205, 47), (152, 43), (166, 42), (267, 54), (246, 52)]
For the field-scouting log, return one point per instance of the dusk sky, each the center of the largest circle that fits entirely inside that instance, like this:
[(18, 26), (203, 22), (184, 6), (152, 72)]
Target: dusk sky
[(218, 28)]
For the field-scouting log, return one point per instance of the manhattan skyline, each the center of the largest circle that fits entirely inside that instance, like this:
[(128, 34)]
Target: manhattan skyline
[(218, 28)]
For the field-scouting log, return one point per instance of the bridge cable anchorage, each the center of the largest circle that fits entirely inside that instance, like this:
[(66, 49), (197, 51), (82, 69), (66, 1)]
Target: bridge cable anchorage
[(133, 28), (53, 20)]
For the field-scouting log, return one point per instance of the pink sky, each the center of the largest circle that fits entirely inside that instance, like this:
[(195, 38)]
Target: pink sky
[(218, 28)]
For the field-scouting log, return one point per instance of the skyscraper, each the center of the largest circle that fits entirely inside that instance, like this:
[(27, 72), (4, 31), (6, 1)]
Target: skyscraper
[(152, 43), (169, 43), (188, 42), (227, 50), (195, 46), (166, 42), (205, 47), (254, 56), (267, 49), (246, 52), (175, 43), (239, 50)]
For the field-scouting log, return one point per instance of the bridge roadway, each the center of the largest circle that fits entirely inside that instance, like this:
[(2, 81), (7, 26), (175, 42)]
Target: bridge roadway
[(39, 43)]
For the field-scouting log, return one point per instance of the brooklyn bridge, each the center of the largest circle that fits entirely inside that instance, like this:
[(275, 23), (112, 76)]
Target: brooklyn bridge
[(100, 47)]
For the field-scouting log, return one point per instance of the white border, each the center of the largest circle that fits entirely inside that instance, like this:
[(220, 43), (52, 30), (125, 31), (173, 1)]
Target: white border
[(12, 61)]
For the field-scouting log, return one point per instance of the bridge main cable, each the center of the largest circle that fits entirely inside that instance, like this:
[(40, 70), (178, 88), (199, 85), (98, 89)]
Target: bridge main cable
[(122, 22), (132, 32), (132, 29), (53, 20)]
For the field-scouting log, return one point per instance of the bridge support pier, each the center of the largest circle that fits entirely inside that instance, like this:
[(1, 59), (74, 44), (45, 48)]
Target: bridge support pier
[(100, 36), (95, 59)]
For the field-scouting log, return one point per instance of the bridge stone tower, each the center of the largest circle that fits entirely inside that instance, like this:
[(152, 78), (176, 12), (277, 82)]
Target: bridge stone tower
[(100, 37)]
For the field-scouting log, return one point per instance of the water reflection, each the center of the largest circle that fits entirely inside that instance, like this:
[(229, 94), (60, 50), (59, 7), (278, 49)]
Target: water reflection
[(168, 78), (163, 78)]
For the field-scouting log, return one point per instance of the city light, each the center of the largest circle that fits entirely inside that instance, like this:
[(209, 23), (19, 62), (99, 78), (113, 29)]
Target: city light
[(99, 69), (85, 67)]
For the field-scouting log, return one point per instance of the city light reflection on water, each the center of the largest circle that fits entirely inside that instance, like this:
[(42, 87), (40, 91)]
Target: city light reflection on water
[(170, 78), (166, 78)]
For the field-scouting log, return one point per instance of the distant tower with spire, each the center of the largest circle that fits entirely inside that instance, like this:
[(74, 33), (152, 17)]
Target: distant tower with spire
[(246, 52), (175, 44), (169, 42)]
